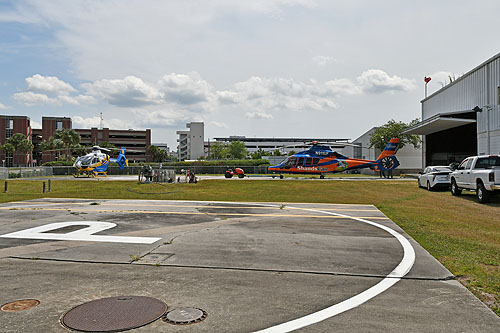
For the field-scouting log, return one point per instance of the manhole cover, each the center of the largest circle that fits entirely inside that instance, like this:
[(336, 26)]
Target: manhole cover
[(20, 305), (114, 314), (184, 316)]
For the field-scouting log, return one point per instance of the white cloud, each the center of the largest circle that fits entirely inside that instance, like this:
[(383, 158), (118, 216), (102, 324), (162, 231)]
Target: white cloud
[(378, 81), (161, 118), (30, 98), (186, 89), (86, 99), (219, 124), (48, 84), (35, 124), (42, 90), (339, 87), (271, 94), (89, 122), (67, 100), (322, 60), (128, 92), (259, 115), (2, 107), (442, 78)]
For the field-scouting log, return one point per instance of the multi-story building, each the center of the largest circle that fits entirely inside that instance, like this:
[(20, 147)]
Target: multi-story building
[(10, 125), (191, 142), (462, 118), (284, 145), (49, 126), (135, 141)]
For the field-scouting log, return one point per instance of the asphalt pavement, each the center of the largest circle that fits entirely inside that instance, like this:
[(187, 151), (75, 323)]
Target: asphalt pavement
[(250, 266)]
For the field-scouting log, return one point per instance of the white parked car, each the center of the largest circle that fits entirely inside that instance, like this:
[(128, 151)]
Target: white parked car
[(435, 176)]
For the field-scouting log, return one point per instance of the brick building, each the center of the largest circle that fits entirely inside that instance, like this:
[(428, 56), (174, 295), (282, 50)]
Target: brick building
[(136, 142), (10, 125)]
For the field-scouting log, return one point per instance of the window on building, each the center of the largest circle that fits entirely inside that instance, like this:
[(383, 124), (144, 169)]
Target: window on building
[(357, 152), (59, 125), (9, 160), (9, 128)]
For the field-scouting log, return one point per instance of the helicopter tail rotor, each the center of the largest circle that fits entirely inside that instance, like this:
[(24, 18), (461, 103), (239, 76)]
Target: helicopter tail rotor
[(387, 163)]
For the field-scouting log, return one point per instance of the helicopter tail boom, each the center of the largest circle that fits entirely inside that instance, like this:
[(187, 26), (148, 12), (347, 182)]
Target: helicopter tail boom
[(121, 160)]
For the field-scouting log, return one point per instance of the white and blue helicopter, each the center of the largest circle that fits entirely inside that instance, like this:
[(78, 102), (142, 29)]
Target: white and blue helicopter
[(95, 163)]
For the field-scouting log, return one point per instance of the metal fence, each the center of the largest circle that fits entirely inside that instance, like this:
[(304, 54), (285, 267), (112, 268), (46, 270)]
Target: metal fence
[(134, 170), (28, 172), (4, 173)]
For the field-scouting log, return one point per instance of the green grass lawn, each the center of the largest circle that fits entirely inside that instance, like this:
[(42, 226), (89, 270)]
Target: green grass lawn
[(462, 234)]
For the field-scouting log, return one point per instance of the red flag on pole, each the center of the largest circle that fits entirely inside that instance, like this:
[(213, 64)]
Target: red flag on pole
[(427, 79)]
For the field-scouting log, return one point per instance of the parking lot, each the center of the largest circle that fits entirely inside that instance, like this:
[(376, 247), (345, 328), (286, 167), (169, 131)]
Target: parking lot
[(249, 266)]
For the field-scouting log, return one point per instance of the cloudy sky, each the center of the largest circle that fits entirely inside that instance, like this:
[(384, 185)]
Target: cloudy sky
[(283, 68)]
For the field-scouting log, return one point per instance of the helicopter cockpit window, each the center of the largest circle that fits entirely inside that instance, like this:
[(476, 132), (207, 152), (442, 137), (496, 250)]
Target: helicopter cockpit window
[(291, 161), (315, 160), (95, 160), (301, 161), (84, 160), (309, 161)]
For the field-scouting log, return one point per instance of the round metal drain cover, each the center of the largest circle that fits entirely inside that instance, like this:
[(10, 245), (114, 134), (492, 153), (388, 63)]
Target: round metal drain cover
[(184, 316), (114, 314), (20, 305)]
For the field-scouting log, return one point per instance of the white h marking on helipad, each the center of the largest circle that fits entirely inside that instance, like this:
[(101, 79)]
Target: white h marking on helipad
[(85, 234)]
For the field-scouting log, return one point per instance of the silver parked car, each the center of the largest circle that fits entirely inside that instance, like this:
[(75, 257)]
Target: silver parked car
[(435, 176)]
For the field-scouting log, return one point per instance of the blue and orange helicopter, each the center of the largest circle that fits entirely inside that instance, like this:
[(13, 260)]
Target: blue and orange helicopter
[(95, 163), (321, 159)]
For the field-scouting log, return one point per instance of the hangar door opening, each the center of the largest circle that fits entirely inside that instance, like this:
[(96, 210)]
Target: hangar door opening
[(451, 145)]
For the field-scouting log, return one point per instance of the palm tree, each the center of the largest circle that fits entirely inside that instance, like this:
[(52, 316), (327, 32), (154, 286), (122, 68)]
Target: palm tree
[(52, 145), (153, 152), (19, 143), (25, 146), (69, 137), (106, 144), (8, 148)]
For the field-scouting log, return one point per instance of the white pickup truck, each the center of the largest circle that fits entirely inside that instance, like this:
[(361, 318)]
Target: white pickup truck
[(477, 173)]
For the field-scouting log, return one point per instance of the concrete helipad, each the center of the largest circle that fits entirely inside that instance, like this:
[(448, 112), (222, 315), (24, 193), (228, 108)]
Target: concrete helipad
[(249, 266)]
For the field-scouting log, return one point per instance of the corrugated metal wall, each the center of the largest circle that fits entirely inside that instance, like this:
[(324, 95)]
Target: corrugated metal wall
[(480, 87)]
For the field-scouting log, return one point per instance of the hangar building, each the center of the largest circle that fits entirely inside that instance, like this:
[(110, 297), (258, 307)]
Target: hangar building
[(462, 118)]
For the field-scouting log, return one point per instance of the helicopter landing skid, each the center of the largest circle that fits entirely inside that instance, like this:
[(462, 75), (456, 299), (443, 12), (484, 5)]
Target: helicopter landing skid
[(80, 174), (99, 174)]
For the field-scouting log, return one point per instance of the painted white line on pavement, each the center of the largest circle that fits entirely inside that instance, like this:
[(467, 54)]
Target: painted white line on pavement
[(392, 278)]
